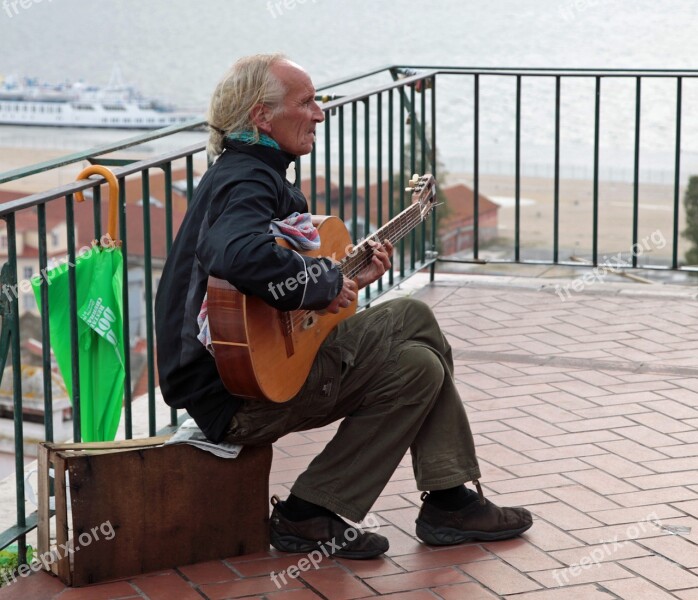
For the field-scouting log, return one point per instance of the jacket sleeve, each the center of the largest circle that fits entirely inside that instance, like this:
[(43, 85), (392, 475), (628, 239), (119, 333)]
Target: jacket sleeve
[(235, 244)]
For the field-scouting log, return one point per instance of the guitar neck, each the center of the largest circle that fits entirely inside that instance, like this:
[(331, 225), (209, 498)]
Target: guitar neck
[(393, 231)]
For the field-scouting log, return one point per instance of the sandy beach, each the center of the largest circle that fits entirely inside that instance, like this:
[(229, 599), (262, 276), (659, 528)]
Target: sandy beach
[(615, 224)]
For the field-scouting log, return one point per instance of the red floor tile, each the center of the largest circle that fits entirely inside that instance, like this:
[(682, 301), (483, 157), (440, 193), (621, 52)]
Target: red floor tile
[(370, 568), (460, 591), (247, 587), (633, 589), (291, 595), (522, 555), (336, 584), (106, 591), (37, 586), (662, 572), (276, 564), (442, 557), (500, 577), (165, 587), (417, 580), (208, 572)]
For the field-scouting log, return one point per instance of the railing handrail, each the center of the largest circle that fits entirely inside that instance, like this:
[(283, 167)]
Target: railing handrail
[(29, 201), (510, 70), (553, 70), (356, 77), (63, 161), (359, 96)]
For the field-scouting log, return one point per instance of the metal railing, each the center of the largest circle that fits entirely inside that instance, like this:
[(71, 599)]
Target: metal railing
[(597, 77), (366, 148)]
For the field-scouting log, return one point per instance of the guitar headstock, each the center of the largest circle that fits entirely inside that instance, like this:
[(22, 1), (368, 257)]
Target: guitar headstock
[(423, 189)]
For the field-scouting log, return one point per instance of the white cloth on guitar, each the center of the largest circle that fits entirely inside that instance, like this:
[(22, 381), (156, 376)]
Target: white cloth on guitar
[(298, 230)]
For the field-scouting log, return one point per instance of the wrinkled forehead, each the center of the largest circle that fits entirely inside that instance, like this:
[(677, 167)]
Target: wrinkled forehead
[(294, 77)]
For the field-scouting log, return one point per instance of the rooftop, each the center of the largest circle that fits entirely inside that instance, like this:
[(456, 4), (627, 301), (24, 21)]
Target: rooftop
[(584, 407)]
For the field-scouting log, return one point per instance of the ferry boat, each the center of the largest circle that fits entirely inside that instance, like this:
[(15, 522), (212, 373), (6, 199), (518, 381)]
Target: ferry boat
[(27, 101)]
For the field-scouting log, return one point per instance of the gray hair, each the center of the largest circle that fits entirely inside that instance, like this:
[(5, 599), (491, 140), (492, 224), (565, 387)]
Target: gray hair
[(247, 83)]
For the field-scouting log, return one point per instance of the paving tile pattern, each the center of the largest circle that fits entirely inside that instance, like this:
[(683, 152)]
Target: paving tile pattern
[(584, 409)]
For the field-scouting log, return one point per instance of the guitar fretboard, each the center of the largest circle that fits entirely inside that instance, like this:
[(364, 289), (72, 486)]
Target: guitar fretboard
[(393, 231)]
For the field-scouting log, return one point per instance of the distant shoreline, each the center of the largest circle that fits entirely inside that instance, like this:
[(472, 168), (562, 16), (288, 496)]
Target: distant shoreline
[(537, 207)]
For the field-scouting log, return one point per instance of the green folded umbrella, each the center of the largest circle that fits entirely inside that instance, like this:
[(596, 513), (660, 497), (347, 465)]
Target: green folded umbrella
[(98, 282)]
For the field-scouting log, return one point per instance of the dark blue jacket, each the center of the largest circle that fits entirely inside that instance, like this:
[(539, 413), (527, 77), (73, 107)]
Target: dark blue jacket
[(225, 233)]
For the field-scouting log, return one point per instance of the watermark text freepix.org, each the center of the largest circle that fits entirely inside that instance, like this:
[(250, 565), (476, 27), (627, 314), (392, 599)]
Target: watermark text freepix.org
[(11, 7), (277, 7), (25, 285), (45, 560), (311, 273), (597, 554), (655, 240), (325, 550)]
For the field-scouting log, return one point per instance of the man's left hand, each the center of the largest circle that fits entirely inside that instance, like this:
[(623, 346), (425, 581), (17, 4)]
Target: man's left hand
[(380, 263)]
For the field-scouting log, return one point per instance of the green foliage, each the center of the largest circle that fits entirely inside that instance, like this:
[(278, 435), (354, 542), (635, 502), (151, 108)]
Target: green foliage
[(690, 202), (9, 562), (409, 153)]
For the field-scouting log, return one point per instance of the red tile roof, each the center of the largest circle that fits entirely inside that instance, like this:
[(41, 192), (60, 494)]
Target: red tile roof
[(135, 215), (458, 198)]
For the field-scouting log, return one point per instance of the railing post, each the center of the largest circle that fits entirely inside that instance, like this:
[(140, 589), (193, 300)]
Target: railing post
[(128, 412), (677, 177), (595, 217), (10, 339), (73, 312), (636, 168)]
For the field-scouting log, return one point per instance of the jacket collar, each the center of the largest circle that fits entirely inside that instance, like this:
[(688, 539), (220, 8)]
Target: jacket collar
[(278, 160)]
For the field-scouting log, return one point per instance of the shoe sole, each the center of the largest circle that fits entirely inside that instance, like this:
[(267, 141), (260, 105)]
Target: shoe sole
[(298, 545), (447, 536)]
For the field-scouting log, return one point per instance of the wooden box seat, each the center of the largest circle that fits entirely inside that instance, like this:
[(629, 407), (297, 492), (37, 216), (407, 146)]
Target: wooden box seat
[(137, 506)]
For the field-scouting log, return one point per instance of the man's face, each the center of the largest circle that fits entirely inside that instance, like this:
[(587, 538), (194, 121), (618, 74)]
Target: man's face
[(293, 126)]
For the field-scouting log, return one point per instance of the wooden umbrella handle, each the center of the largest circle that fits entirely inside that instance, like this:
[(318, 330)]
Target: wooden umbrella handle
[(113, 195)]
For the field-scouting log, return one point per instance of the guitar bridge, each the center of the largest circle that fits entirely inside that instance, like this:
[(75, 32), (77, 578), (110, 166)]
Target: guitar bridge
[(286, 323)]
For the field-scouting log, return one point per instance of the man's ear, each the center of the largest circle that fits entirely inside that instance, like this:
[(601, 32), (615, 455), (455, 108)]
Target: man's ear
[(260, 117)]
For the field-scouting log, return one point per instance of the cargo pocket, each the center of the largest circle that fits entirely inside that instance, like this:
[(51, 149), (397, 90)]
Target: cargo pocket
[(258, 422)]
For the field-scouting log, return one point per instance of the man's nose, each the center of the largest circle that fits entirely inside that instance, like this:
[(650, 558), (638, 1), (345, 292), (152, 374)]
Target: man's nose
[(319, 114)]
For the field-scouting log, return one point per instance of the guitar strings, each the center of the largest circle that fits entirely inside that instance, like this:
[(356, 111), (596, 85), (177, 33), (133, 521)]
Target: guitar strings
[(405, 223)]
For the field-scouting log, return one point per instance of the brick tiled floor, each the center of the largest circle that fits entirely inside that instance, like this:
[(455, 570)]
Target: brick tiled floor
[(585, 410)]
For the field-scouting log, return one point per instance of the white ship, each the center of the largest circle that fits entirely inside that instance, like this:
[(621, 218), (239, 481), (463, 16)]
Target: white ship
[(27, 101)]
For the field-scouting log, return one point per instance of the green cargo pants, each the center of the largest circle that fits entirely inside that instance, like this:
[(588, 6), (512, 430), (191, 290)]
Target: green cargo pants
[(388, 373)]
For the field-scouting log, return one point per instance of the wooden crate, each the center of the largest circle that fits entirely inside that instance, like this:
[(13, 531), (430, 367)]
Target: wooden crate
[(168, 506)]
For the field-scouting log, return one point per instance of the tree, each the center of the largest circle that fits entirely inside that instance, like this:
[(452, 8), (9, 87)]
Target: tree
[(415, 153), (690, 202)]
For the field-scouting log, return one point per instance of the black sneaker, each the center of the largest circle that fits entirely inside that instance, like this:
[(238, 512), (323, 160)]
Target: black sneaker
[(328, 534), (478, 521)]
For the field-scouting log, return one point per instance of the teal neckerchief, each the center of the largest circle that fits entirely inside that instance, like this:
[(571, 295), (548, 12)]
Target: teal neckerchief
[(248, 138)]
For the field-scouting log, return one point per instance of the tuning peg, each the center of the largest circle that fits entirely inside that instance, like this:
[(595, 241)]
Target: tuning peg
[(409, 190), (415, 179)]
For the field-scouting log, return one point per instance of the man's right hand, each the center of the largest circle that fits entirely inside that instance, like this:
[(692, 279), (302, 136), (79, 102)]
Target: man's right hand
[(346, 296)]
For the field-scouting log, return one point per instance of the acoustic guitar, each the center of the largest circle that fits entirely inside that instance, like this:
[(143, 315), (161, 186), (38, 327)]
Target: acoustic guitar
[(265, 353)]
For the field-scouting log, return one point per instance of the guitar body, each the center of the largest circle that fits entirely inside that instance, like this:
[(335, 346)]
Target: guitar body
[(265, 353)]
